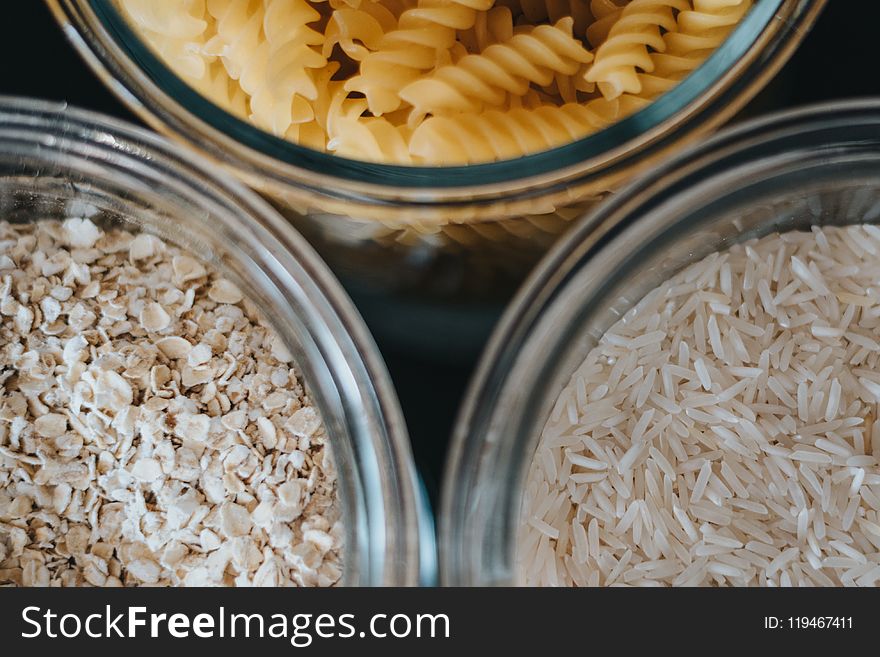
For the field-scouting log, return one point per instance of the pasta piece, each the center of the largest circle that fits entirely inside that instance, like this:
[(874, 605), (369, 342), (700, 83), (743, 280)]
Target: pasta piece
[(373, 138), (411, 49), (337, 106), (505, 68), (515, 6), (606, 13), (175, 29), (566, 87), (340, 4), (432, 81), (654, 85), (698, 33), (267, 46), (500, 135), (309, 134), (531, 100), (455, 54), (396, 7), (538, 11), (330, 92), (493, 26), (625, 52), (224, 91), (358, 31)]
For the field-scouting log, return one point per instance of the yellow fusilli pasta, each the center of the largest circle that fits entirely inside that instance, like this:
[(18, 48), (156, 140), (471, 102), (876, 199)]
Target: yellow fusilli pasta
[(492, 26), (433, 81), (372, 138), (606, 13), (412, 48), (267, 45), (626, 50), (176, 30), (224, 91), (698, 32), (503, 134), (505, 68), (537, 11), (358, 31)]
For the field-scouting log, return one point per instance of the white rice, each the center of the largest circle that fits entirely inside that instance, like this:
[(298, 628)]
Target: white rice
[(725, 432)]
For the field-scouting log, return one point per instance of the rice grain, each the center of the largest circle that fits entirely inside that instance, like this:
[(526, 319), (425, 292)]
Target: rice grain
[(725, 431)]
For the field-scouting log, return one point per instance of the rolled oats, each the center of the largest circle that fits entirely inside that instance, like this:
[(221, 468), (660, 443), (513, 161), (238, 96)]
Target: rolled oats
[(174, 347), (154, 318), (152, 429), (51, 425), (223, 291)]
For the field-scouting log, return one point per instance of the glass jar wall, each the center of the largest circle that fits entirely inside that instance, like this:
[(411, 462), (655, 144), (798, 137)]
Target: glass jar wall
[(818, 166), (439, 250), (57, 162)]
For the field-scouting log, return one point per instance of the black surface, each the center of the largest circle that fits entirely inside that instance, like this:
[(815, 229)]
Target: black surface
[(837, 60), (437, 622)]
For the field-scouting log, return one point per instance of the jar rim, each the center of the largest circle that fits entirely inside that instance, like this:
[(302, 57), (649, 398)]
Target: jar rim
[(110, 43), (339, 348), (490, 423)]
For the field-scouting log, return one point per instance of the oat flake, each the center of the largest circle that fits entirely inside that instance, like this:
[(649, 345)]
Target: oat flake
[(152, 429)]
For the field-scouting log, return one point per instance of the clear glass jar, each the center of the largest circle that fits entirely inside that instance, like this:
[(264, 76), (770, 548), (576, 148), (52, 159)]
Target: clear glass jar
[(55, 161), (818, 166), (430, 251)]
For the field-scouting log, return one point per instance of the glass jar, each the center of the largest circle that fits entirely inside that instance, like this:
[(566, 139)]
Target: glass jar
[(57, 162), (432, 254), (818, 166)]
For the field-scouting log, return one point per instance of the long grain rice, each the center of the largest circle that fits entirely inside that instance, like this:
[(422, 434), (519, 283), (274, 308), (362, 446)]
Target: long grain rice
[(725, 432)]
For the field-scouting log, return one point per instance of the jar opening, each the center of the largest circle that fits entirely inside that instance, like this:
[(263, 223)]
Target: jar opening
[(58, 162), (813, 166), (601, 146)]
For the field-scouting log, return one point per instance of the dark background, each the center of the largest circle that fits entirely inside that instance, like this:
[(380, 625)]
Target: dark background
[(519, 621), (837, 60)]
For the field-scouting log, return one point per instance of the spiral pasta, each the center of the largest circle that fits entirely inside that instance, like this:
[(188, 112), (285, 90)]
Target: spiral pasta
[(606, 13), (404, 53), (373, 138), (492, 26), (358, 31), (626, 50), (504, 68), (433, 81), (498, 134), (698, 32), (175, 29), (224, 91), (268, 47), (537, 11)]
